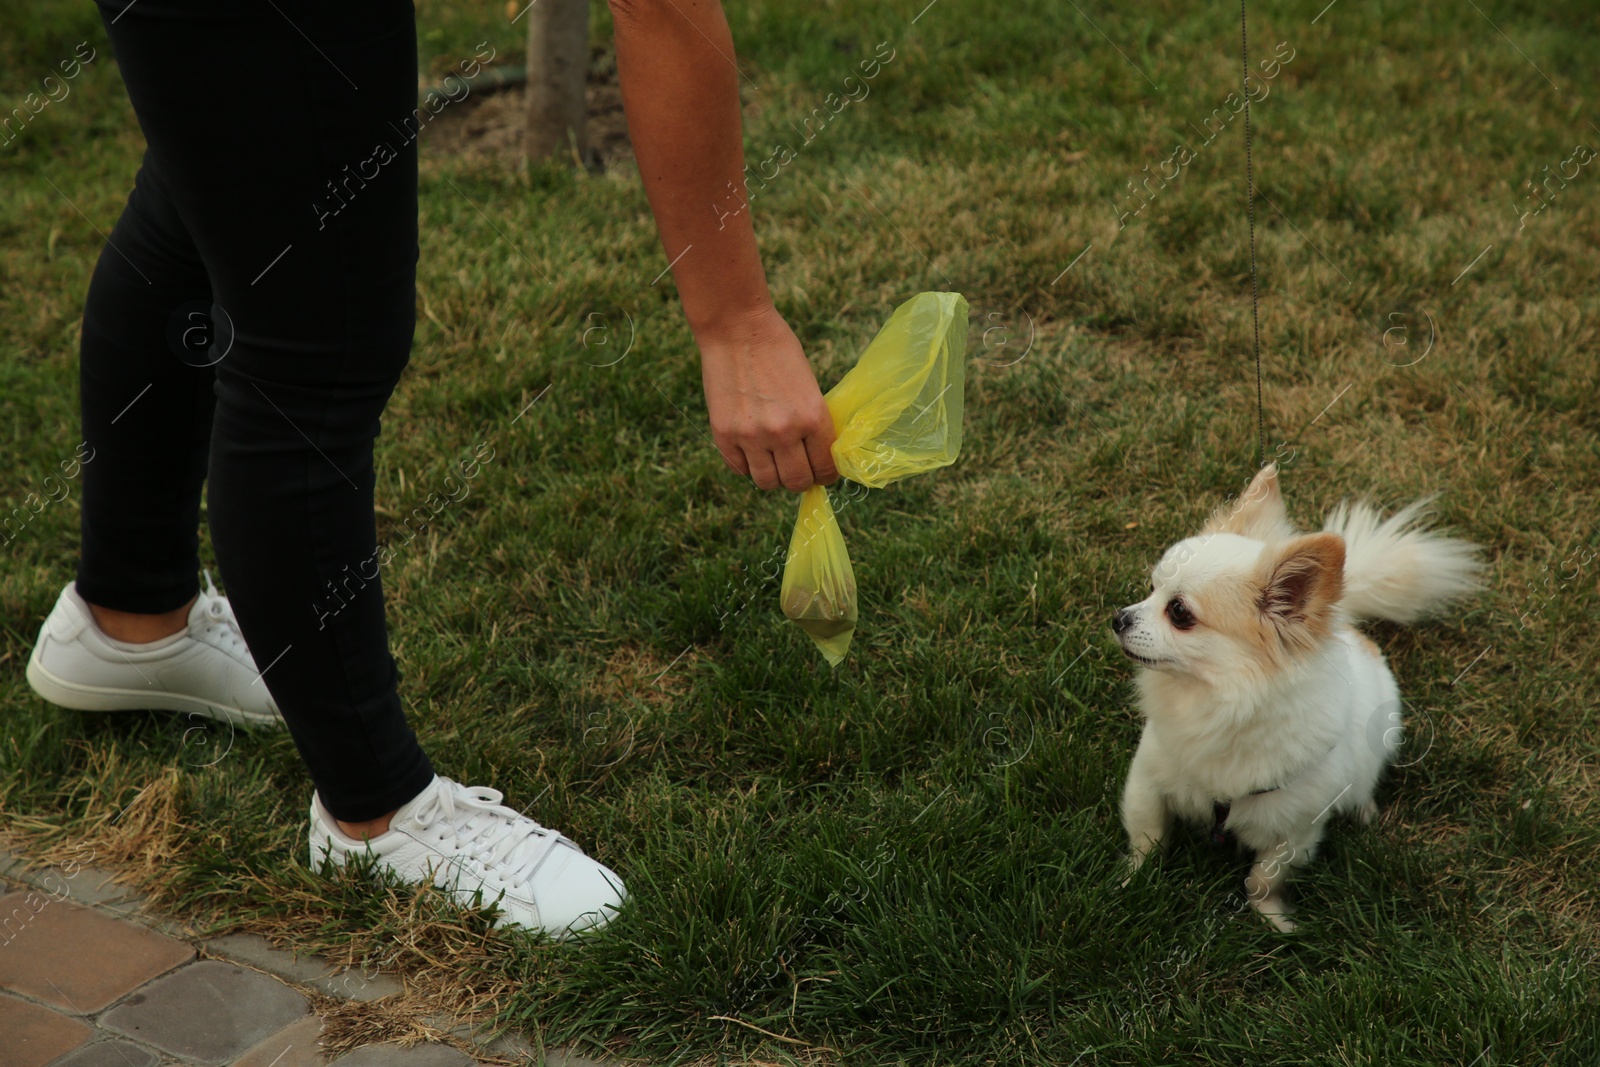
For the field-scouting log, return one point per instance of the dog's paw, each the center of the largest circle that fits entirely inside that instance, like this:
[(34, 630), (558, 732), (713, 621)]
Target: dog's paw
[(1128, 867), (1367, 812), (1276, 911)]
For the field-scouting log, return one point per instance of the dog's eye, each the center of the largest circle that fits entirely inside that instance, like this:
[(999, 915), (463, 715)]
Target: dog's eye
[(1178, 612)]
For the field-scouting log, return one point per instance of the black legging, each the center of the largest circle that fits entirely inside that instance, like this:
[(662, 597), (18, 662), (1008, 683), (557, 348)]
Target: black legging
[(261, 193)]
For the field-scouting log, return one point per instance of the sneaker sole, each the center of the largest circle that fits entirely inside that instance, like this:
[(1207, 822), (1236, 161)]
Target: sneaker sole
[(320, 840), (67, 694)]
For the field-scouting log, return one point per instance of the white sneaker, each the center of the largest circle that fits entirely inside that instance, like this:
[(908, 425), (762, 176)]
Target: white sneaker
[(461, 838), (204, 670)]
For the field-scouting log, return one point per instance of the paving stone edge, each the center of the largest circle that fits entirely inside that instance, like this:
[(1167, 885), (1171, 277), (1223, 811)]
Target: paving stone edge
[(293, 970)]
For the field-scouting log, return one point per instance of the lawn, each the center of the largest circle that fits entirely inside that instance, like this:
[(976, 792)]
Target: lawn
[(911, 859)]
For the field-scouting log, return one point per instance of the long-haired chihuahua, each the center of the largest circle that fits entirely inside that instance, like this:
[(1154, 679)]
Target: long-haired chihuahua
[(1265, 710)]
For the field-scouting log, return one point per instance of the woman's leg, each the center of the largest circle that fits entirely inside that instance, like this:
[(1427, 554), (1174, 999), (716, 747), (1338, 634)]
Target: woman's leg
[(146, 413), (279, 134)]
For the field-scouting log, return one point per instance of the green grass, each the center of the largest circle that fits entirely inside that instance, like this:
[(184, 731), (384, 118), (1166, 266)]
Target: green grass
[(911, 859)]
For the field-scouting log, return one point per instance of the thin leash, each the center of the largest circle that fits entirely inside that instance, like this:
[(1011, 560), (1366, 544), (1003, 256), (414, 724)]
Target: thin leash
[(1250, 209)]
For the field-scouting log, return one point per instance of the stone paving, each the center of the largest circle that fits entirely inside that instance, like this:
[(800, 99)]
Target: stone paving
[(89, 978)]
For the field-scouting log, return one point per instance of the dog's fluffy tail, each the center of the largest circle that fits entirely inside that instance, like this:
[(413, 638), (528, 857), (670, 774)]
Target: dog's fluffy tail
[(1394, 569)]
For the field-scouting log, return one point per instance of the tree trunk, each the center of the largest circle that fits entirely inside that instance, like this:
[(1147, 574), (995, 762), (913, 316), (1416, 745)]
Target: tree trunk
[(558, 66)]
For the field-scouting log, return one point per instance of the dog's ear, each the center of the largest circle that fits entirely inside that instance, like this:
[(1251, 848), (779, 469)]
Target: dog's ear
[(1301, 582), (1258, 514)]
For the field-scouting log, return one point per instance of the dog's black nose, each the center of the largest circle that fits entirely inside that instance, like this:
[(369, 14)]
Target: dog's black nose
[(1121, 620)]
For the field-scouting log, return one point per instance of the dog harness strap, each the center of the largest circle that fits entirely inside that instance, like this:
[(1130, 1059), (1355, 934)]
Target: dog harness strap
[(1219, 815)]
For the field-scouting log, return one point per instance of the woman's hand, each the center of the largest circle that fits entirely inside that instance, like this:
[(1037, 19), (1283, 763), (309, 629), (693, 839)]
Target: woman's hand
[(768, 418)]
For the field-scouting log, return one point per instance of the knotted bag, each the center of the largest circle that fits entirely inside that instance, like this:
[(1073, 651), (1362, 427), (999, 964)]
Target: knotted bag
[(896, 413)]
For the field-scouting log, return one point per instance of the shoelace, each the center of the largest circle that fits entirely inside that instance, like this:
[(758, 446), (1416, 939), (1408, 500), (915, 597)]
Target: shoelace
[(487, 831), (225, 634)]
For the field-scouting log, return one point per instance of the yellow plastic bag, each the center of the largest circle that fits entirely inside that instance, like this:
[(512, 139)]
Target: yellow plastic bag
[(896, 413)]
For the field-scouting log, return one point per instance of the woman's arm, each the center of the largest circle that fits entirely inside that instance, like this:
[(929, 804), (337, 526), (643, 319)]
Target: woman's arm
[(680, 89)]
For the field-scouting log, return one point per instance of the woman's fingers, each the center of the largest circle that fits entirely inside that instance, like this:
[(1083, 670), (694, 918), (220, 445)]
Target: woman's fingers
[(819, 453), (763, 468), (794, 467)]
